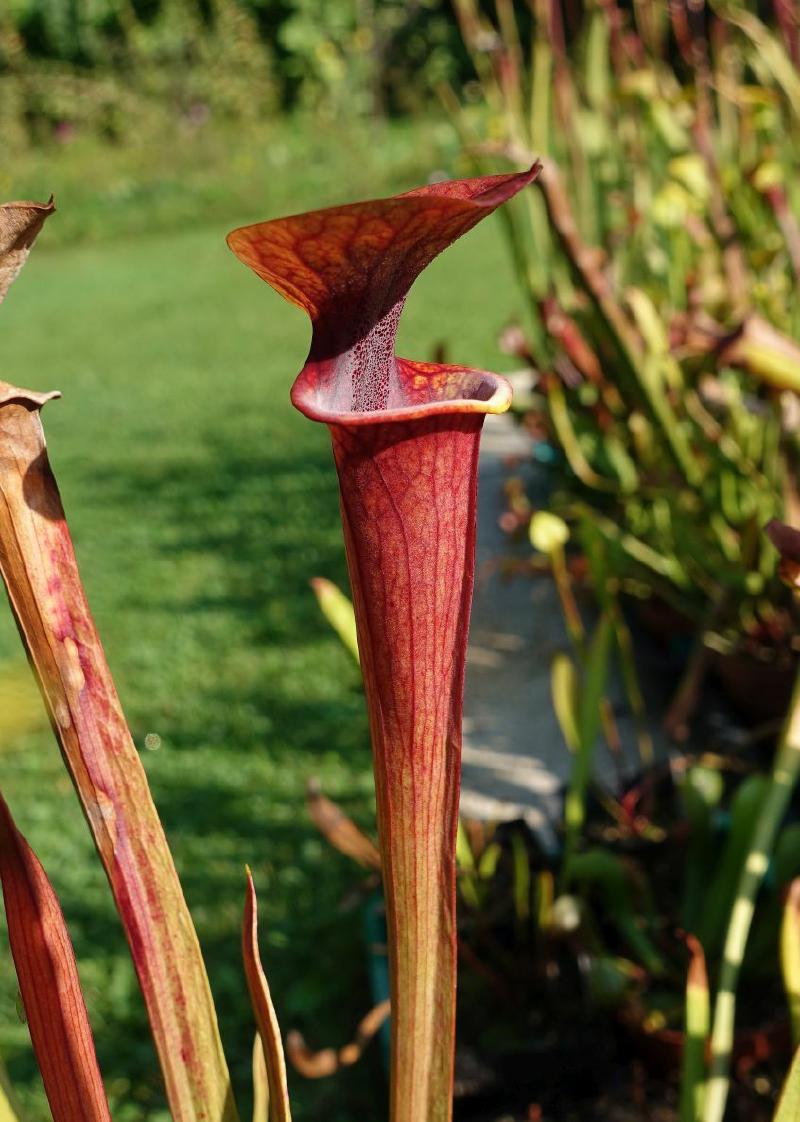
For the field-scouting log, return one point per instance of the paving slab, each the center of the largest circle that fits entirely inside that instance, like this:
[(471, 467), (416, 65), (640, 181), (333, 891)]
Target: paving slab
[(515, 762)]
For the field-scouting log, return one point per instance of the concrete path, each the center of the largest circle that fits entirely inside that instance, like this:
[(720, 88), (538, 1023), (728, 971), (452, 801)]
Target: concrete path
[(515, 760)]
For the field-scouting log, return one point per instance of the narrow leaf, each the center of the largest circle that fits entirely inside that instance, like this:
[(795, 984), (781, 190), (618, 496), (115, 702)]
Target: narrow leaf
[(564, 689), (260, 1082), (768, 818), (339, 830), (789, 1105), (521, 878), (698, 1023), (608, 874), (766, 353), (49, 983), (487, 866), (279, 1109), (596, 677), (40, 572), (721, 893), (10, 1110), (465, 858), (790, 955), (338, 611)]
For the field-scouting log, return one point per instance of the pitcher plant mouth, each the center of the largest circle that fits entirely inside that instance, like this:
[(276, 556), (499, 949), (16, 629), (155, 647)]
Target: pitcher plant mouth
[(350, 269), (416, 390)]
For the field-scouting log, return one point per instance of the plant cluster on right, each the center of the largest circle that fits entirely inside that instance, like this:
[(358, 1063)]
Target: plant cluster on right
[(659, 262)]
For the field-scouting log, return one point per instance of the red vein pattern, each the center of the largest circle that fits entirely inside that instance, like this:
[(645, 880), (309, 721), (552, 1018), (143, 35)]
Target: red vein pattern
[(49, 984), (405, 441)]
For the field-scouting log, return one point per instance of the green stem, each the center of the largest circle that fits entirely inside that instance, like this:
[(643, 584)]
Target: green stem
[(572, 615), (693, 1069), (782, 782), (790, 956)]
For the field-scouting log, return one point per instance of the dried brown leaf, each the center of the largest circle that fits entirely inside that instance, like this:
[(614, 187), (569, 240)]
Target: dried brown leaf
[(20, 224), (339, 830), (318, 1065)]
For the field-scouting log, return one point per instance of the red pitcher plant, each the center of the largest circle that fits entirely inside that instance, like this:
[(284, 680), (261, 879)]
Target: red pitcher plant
[(405, 438)]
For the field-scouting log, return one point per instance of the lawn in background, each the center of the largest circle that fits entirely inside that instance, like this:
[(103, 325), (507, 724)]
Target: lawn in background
[(201, 504)]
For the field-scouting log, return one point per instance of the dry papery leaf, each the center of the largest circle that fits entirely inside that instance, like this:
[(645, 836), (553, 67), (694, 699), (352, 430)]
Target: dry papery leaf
[(318, 1065), (20, 224)]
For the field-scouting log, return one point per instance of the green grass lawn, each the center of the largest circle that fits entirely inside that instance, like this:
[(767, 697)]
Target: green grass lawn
[(201, 504)]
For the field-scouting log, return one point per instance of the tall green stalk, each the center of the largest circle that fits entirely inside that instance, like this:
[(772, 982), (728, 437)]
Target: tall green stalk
[(785, 772), (693, 1068)]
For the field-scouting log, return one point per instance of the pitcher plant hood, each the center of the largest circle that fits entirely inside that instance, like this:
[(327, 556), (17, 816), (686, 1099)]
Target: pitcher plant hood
[(350, 269)]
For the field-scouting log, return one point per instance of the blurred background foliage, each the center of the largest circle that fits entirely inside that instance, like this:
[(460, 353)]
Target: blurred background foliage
[(120, 67), (660, 259), (648, 287)]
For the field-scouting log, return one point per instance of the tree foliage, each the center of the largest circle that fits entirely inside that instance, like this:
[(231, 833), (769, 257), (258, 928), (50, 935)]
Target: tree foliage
[(98, 64)]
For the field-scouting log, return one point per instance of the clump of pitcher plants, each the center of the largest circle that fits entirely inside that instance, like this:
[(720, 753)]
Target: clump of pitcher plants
[(405, 438), (658, 261), (599, 931)]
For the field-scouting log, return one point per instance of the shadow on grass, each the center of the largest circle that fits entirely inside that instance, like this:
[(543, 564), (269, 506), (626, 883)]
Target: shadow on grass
[(276, 701)]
